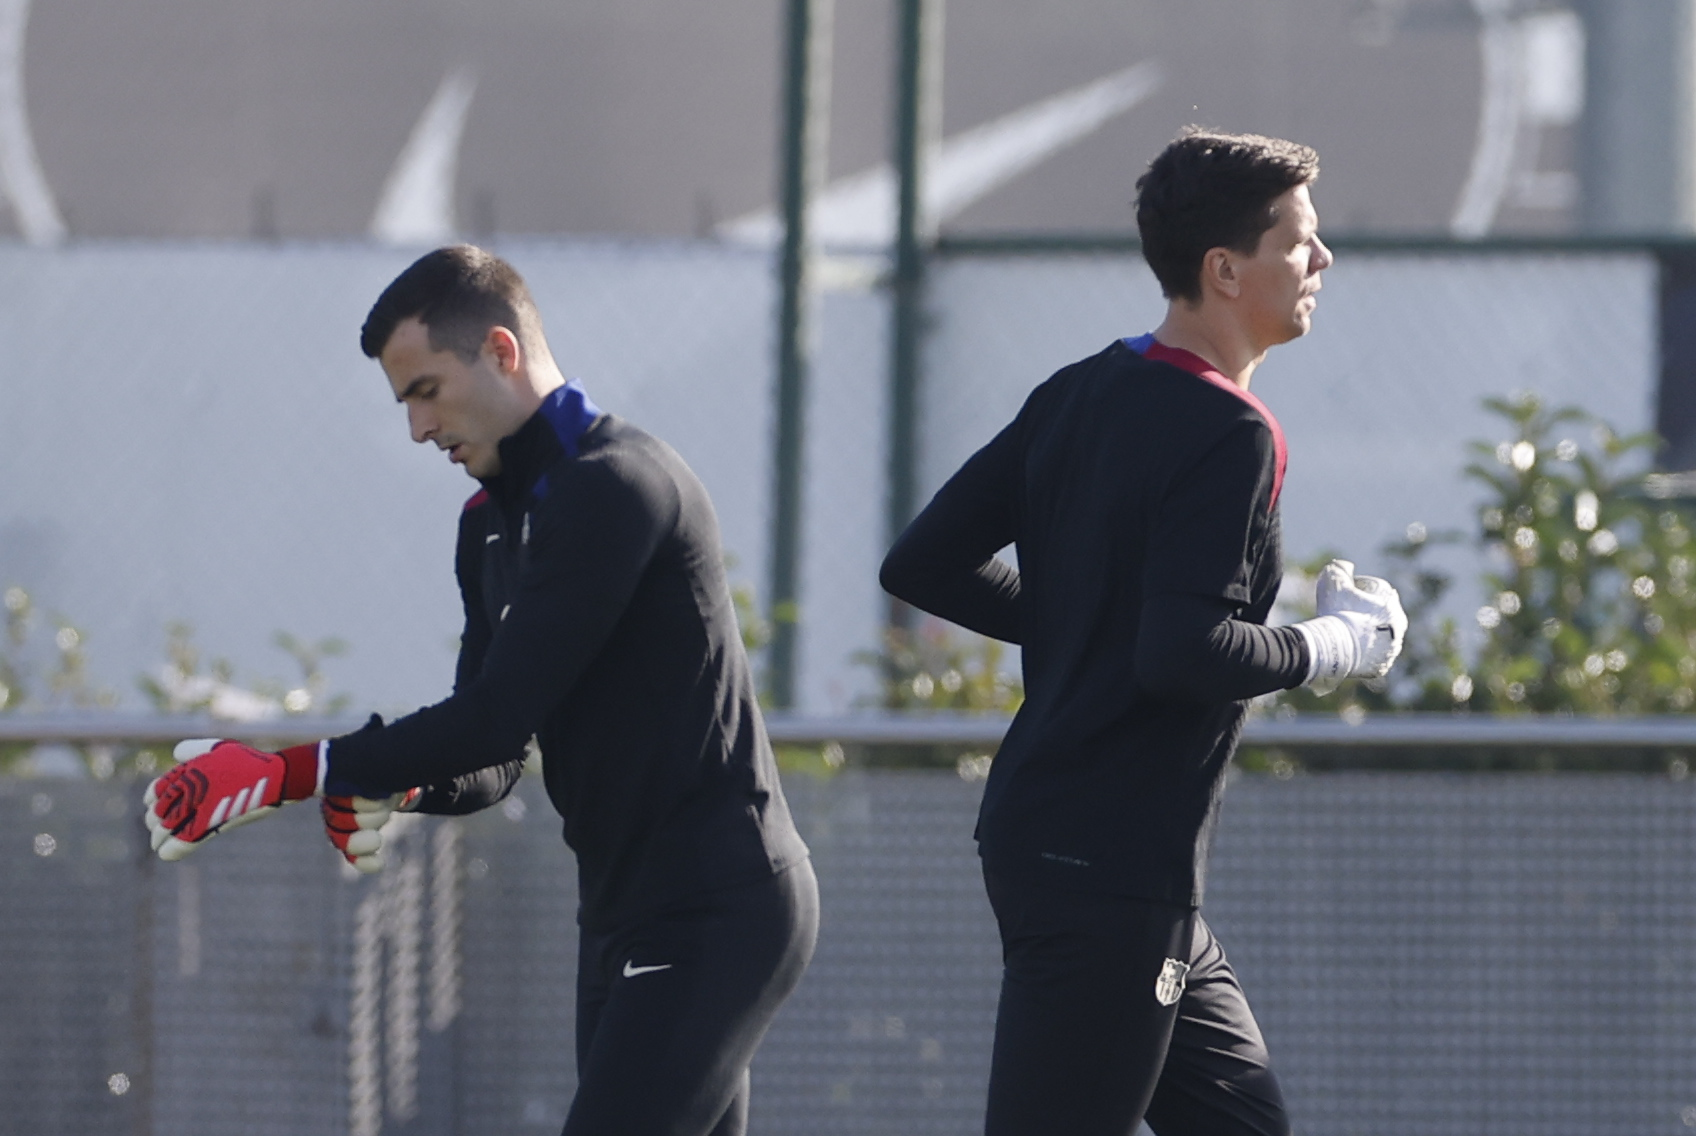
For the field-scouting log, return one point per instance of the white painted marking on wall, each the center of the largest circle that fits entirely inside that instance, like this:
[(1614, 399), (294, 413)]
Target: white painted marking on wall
[(982, 159), (859, 210), (1552, 59), (1499, 113), (21, 175), (416, 207)]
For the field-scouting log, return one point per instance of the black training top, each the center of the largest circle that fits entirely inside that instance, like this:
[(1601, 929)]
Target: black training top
[(598, 618), (1141, 492)]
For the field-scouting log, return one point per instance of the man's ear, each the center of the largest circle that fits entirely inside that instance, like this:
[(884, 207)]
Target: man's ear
[(503, 347), (1219, 273)]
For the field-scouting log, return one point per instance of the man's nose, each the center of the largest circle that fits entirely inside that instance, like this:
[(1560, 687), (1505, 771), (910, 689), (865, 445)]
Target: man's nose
[(1322, 258), (423, 424)]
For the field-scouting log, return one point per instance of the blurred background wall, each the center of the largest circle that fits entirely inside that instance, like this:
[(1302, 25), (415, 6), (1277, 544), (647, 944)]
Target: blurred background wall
[(266, 119), (204, 198)]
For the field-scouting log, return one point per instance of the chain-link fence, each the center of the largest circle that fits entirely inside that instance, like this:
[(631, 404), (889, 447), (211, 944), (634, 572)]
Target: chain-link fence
[(1428, 953), (190, 433)]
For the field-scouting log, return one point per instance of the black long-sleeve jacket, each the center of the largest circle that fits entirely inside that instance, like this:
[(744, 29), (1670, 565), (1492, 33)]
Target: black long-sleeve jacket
[(1141, 495), (598, 619)]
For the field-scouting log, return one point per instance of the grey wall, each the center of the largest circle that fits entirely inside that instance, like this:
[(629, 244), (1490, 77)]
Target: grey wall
[(185, 118)]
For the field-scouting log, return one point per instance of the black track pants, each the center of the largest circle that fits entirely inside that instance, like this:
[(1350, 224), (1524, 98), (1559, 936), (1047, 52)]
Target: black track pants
[(670, 1011), (1085, 1044)]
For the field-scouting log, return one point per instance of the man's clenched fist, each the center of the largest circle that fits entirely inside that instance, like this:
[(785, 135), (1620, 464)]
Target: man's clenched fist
[(1359, 630), (355, 825)]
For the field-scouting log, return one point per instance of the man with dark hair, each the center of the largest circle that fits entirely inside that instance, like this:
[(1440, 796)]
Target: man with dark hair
[(598, 620), (1140, 488), (1209, 190), (457, 293)]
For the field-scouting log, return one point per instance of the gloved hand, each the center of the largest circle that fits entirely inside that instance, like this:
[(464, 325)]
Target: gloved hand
[(1359, 630), (355, 825), (221, 784)]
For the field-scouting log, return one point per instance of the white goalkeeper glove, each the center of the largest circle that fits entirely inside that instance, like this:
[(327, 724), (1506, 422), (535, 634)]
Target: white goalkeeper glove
[(1358, 632)]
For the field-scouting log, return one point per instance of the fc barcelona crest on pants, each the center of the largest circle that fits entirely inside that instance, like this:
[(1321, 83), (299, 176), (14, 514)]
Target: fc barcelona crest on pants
[(1170, 985)]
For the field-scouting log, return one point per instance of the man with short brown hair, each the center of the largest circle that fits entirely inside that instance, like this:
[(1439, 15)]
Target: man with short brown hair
[(598, 620), (1140, 487)]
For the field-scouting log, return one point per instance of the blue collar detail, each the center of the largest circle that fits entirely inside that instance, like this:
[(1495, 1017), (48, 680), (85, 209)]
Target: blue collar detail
[(569, 411)]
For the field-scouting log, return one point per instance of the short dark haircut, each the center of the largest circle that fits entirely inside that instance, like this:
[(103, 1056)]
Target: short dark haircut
[(1209, 190), (458, 293)]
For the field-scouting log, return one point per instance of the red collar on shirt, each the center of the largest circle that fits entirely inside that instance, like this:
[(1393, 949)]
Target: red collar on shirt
[(1202, 369)]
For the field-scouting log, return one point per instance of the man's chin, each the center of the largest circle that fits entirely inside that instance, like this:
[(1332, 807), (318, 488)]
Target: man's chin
[(1295, 329)]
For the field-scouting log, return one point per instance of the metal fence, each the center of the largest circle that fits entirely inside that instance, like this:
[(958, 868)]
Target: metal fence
[(264, 481), (1429, 952)]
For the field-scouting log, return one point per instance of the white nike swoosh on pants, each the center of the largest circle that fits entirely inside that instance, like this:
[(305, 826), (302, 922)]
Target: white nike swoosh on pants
[(631, 970)]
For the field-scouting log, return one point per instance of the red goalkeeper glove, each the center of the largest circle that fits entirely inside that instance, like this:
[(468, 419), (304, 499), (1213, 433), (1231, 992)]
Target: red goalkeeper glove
[(222, 784), (355, 825)]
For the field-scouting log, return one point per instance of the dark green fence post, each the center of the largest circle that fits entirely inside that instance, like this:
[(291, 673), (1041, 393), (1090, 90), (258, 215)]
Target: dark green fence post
[(918, 126), (803, 153)]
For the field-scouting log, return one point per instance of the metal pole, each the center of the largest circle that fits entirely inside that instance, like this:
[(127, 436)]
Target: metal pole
[(918, 87), (803, 151), (1637, 153)]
